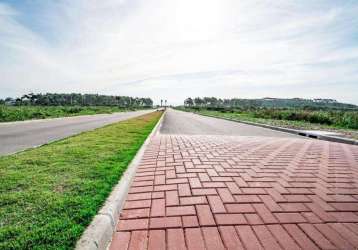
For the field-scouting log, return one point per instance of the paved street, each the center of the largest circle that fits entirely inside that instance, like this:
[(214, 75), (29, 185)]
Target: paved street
[(194, 190), (179, 122), (17, 136)]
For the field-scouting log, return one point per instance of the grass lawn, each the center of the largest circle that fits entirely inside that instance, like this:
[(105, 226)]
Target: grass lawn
[(21, 113), (349, 133), (49, 195)]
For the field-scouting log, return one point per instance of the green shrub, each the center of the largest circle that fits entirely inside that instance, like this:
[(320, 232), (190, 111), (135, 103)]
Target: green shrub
[(21, 113), (349, 120), (343, 119)]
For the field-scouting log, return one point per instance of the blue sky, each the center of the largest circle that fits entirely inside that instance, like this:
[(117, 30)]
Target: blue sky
[(171, 49)]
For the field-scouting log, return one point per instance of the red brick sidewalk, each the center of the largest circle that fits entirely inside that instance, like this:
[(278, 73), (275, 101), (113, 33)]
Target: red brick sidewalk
[(209, 192)]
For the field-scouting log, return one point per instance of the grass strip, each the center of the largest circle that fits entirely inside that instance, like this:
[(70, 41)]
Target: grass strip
[(49, 195)]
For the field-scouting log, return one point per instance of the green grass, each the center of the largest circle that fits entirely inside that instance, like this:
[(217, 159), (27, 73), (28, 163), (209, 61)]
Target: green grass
[(282, 120), (49, 195), (21, 113)]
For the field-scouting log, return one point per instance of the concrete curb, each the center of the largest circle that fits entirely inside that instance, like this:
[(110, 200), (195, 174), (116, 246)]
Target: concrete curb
[(99, 233), (292, 131)]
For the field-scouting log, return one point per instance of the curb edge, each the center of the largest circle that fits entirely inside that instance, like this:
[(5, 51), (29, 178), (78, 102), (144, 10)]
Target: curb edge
[(98, 233)]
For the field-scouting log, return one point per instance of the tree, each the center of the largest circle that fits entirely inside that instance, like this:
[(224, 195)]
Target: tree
[(198, 101), (188, 102), (9, 101), (56, 99)]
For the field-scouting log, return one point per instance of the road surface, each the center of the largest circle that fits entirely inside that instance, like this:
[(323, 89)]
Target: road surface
[(180, 122), (202, 184), (17, 136)]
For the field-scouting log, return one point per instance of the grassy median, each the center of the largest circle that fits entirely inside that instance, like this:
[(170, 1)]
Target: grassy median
[(49, 195)]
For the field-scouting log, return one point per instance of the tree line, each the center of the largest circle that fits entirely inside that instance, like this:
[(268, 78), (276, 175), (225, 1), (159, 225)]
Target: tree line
[(75, 99), (213, 102)]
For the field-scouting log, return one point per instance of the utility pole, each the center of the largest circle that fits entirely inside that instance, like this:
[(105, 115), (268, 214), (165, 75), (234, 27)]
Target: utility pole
[(161, 103), (165, 103)]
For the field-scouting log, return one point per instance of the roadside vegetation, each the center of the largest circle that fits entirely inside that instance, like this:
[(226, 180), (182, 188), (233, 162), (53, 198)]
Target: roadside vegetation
[(50, 105), (49, 195), (75, 99), (22, 113), (325, 114), (276, 103)]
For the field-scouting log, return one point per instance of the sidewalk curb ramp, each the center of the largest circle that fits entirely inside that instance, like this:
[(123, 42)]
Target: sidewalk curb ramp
[(292, 131), (99, 233)]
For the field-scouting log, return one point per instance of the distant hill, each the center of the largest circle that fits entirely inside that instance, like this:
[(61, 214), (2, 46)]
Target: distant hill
[(268, 102)]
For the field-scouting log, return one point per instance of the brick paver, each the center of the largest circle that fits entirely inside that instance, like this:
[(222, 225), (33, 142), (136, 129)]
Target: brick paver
[(225, 192)]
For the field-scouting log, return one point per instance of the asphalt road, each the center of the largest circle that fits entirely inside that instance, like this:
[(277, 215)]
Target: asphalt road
[(17, 136), (179, 122)]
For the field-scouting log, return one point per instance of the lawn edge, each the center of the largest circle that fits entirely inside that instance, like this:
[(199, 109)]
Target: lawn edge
[(100, 231), (302, 133)]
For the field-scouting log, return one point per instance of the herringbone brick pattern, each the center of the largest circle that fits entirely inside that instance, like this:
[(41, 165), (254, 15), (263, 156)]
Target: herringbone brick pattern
[(217, 192)]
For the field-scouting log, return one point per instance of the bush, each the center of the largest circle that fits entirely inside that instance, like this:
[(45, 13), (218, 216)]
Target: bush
[(21, 113), (73, 110), (343, 119), (349, 120), (320, 117)]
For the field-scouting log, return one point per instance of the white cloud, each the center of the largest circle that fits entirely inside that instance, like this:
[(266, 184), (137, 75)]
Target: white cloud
[(172, 49)]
